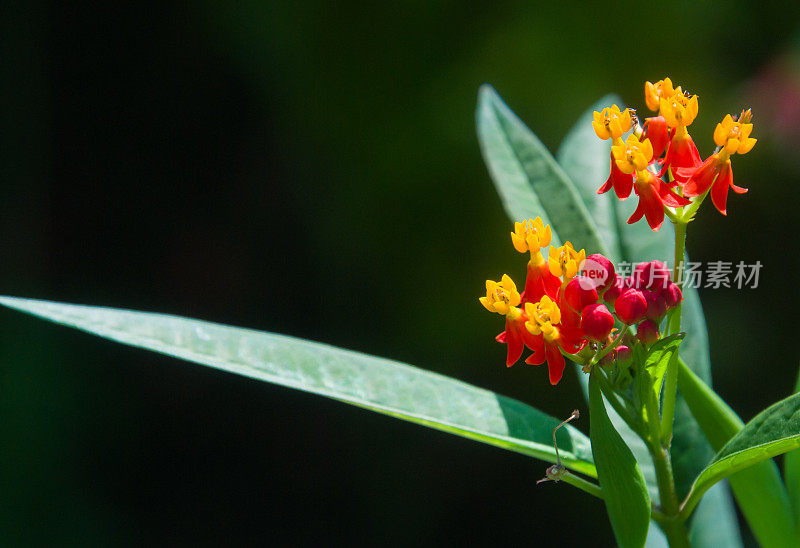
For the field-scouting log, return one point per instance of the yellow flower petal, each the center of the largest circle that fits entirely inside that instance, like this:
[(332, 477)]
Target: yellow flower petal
[(544, 241), (721, 133), (519, 242), (747, 145)]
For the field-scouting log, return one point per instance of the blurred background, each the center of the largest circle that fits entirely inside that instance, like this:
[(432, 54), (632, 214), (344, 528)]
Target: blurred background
[(312, 169)]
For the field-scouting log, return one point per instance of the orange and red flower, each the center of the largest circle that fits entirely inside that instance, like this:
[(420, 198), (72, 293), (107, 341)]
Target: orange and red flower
[(634, 156), (611, 123), (541, 318), (733, 137), (502, 297), (550, 337), (679, 111)]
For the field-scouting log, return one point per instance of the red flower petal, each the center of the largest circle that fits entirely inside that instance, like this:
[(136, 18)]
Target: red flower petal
[(670, 198), (622, 183), (537, 358), (653, 207), (703, 177), (555, 363), (683, 174), (539, 282), (719, 192), (638, 214), (656, 130), (682, 152), (571, 339)]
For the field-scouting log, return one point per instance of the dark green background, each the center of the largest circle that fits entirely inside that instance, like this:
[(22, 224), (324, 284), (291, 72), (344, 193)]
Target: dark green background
[(312, 169)]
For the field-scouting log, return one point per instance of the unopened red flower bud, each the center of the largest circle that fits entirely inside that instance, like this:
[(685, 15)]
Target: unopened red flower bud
[(651, 275), (672, 295), (624, 354), (600, 271), (580, 293), (656, 305), (631, 306), (596, 322), (636, 279), (647, 332), (614, 291)]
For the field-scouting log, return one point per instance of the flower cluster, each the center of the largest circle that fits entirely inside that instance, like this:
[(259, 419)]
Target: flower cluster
[(662, 147), (564, 308)]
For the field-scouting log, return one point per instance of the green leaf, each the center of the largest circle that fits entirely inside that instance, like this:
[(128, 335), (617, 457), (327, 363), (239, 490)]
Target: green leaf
[(526, 176), (772, 432), (586, 160), (659, 357), (791, 467), (624, 488), (378, 384), (758, 489)]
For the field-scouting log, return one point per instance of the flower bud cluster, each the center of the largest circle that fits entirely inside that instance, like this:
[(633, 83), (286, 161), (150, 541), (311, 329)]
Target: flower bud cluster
[(573, 302), (644, 298)]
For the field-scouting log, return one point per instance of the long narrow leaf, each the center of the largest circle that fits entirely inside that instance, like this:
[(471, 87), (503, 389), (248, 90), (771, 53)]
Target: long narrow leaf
[(624, 488), (772, 432), (377, 384), (527, 177)]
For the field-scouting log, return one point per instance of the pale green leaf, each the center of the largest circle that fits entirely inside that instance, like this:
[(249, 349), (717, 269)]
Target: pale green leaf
[(526, 176), (378, 384)]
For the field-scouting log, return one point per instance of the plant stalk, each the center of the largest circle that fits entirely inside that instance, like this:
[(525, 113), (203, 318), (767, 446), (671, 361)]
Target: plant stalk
[(674, 526), (582, 484), (671, 377), (677, 535)]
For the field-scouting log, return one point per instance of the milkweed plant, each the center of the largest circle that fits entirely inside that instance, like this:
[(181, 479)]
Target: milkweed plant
[(605, 289)]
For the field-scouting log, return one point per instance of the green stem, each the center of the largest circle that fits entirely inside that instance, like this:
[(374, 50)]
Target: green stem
[(666, 484), (674, 527), (582, 484), (671, 377), (680, 251), (677, 535), (673, 524)]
